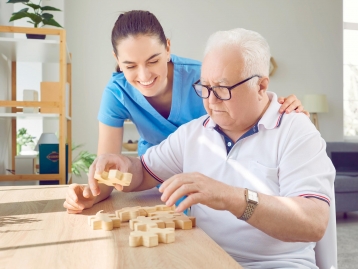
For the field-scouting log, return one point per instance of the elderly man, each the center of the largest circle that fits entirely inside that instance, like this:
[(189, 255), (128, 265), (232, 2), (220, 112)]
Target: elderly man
[(258, 182)]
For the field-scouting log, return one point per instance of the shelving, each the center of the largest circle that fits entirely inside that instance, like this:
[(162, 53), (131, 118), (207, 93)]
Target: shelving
[(130, 132), (17, 49), (20, 115), (44, 51)]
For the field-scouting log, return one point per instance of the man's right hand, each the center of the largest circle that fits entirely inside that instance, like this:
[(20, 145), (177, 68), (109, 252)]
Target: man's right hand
[(78, 198)]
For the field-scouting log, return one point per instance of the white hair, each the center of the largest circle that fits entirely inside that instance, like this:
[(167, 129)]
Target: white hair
[(252, 46)]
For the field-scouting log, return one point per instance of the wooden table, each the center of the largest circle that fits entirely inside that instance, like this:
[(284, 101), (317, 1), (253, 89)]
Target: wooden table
[(36, 232)]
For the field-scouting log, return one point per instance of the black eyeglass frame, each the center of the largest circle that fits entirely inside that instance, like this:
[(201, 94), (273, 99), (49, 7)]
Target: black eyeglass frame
[(229, 88)]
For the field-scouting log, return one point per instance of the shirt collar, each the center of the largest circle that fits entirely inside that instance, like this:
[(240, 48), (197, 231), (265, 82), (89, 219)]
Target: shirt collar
[(272, 117), (270, 120)]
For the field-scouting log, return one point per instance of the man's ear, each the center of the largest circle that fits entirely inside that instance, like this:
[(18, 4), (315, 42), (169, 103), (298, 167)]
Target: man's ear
[(263, 85)]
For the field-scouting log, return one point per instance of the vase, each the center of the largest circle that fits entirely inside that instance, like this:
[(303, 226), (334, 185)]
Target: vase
[(18, 149), (35, 36)]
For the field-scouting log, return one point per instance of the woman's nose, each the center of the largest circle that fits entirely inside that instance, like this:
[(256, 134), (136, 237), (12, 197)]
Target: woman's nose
[(144, 74)]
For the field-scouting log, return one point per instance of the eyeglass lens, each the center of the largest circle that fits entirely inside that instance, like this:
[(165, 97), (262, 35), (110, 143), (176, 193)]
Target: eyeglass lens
[(220, 92)]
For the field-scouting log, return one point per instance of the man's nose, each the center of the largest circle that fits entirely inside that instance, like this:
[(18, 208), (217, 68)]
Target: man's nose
[(212, 98)]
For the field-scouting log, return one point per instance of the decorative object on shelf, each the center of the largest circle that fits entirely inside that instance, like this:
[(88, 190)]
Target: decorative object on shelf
[(82, 161), (130, 145), (25, 164), (273, 66), (49, 161), (39, 17), (30, 95), (50, 92), (315, 103), (22, 139), (46, 138)]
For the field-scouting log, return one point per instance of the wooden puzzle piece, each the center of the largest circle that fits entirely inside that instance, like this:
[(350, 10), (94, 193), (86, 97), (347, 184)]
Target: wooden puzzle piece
[(160, 213), (152, 237), (114, 177), (142, 223), (128, 213), (150, 209), (180, 220), (104, 221)]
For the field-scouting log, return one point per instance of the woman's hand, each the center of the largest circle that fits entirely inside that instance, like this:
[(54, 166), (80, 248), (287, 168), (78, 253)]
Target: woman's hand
[(78, 198), (291, 103), (199, 189), (106, 162)]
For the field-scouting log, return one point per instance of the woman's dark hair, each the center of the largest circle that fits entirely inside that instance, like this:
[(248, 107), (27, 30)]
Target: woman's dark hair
[(136, 22)]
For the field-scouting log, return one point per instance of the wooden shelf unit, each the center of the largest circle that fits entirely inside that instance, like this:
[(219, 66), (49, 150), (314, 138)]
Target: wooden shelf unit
[(43, 51)]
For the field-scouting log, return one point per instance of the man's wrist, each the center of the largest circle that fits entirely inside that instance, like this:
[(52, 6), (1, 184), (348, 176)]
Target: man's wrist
[(235, 202)]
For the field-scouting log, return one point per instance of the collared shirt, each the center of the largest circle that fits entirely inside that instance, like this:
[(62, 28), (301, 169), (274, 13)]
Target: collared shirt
[(284, 157), (121, 101)]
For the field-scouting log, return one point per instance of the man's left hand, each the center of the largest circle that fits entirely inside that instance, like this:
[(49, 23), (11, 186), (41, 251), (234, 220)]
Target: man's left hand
[(199, 189)]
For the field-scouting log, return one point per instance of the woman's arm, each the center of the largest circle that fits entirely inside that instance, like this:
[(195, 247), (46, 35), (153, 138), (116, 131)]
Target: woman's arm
[(109, 142), (109, 139)]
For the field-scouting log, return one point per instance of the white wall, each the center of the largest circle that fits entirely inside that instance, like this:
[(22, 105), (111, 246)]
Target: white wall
[(305, 38)]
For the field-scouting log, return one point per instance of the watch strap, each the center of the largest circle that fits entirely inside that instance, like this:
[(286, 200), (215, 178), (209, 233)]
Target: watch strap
[(250, 207)]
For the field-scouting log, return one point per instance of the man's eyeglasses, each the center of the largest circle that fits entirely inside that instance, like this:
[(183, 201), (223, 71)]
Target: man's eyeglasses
[(221, 92)]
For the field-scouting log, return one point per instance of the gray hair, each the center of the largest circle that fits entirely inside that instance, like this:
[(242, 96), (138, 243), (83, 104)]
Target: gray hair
[(253, 47)]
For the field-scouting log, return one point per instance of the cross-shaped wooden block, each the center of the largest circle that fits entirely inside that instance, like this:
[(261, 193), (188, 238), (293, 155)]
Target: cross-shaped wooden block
[(180, 220), (152, 237), (114, 177), (142, 223), (128, 213), (150, 209), (104, 221)]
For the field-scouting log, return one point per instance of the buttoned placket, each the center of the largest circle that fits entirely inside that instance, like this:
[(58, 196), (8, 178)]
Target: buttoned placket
[(230, 144)]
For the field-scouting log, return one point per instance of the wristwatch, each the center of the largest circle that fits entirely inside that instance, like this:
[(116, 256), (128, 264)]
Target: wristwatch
[(252, 200)]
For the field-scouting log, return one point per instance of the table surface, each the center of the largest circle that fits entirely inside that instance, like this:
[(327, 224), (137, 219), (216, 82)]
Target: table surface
[(36, 232)]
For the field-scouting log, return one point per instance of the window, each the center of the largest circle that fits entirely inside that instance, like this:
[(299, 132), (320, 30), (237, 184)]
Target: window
[(350, 68)]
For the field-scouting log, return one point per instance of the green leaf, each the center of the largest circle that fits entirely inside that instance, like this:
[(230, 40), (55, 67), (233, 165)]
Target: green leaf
[(35, 18), (18, 16), (17, 1), (34, 6), (51, 22), (49, 8), (30, 22), (22, 10), (47, 16)]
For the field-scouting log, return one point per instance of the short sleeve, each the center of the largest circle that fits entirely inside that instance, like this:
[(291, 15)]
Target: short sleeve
[(112, 111), (305, 169)]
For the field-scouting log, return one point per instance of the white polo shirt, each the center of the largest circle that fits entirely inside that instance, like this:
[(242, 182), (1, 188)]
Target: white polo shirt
[(282, 155)]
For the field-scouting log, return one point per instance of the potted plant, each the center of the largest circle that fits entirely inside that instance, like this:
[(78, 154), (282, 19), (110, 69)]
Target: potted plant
[(22, 139), (82, 161), (38, 17)]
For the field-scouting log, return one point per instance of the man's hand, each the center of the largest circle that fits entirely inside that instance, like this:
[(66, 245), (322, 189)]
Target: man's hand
[(291, 103), (199, 189), (78, 198)]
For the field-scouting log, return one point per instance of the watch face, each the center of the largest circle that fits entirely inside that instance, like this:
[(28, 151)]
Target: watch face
[(252, 196)]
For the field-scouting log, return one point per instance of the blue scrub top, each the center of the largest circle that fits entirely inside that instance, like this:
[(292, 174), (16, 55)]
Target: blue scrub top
[(121, 101)]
